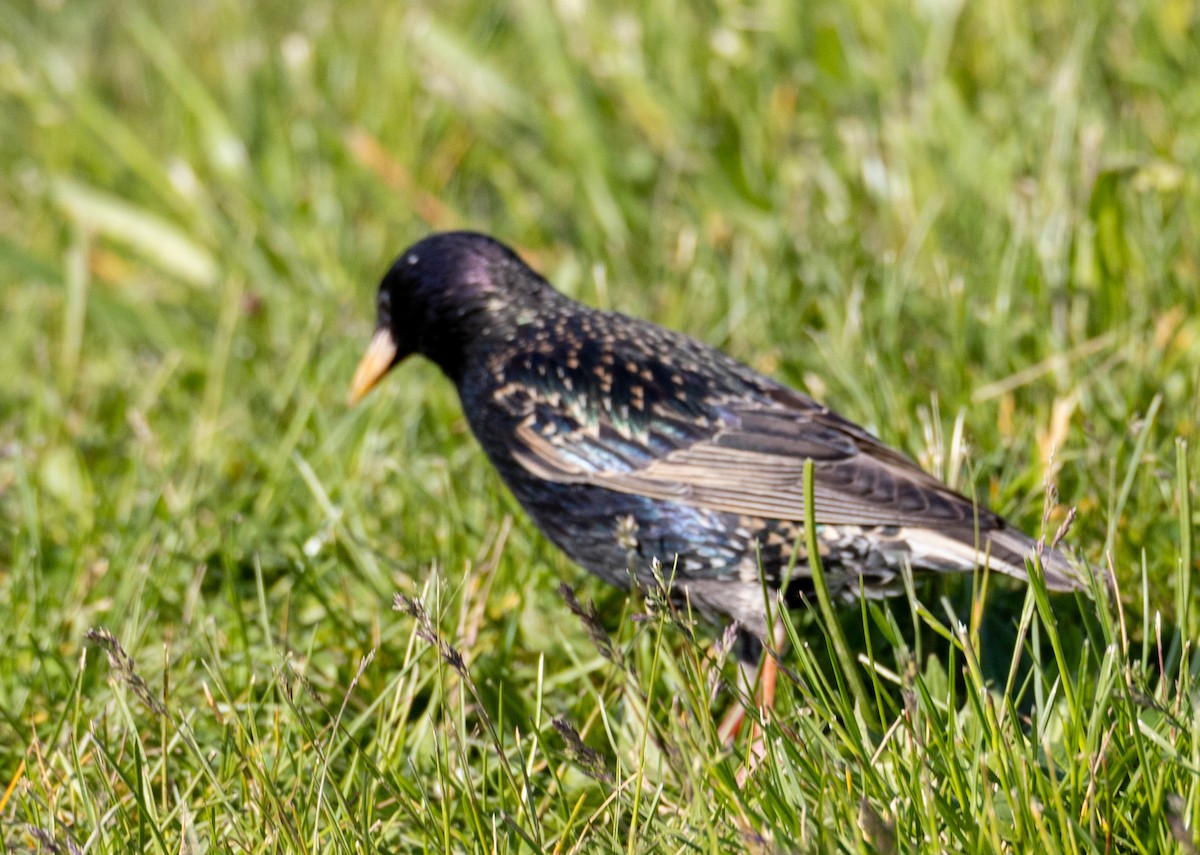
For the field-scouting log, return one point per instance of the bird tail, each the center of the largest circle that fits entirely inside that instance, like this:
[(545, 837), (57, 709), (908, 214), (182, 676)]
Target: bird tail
[(1004, 549)]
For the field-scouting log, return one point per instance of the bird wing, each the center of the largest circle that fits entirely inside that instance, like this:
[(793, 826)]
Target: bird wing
[(699, 429), (749, 461)]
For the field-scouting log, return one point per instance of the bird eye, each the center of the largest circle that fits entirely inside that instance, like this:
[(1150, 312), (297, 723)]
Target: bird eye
[(412, 258)]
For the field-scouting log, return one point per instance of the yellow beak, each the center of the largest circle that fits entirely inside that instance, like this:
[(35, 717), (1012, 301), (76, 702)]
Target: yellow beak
[(374, 364)]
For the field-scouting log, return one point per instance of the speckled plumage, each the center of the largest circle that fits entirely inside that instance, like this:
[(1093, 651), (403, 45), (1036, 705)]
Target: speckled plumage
[(627, 442)]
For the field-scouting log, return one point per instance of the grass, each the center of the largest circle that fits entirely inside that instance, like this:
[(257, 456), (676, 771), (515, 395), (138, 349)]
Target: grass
[(970, 227)]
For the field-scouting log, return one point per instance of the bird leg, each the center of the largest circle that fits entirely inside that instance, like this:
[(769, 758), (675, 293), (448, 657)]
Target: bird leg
[(759, 678)]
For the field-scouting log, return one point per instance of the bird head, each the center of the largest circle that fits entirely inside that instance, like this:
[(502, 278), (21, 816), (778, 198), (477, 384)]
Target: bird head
[(443, 296)]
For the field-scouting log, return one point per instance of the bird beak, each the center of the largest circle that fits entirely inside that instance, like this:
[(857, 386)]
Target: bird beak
[(380, 355)]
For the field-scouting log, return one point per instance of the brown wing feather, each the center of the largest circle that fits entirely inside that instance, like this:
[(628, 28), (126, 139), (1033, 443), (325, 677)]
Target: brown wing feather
[(754, 465)]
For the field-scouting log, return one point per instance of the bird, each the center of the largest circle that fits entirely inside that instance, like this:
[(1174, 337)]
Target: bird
[(629, 444)]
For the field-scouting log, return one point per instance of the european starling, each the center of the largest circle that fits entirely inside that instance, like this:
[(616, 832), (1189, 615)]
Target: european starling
[(626, 442)]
